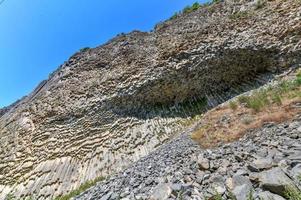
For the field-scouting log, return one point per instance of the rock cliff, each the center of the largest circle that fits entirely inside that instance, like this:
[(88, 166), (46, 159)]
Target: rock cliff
[(107, 107)]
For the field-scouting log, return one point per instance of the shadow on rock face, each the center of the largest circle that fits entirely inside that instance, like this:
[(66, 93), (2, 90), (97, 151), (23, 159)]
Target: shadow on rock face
[(198, 85)]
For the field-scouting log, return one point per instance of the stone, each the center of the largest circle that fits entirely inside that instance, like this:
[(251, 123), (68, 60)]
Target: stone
[(176, 187), (107, 196), (220, 189), (275, 181), (296, 172), (240, 186), (269, 196), (241, 172), (242, 192), (161, 192), (203, 163), (263, 163)]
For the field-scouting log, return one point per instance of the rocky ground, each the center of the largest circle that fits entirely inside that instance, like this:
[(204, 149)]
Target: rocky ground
[(261, 165)]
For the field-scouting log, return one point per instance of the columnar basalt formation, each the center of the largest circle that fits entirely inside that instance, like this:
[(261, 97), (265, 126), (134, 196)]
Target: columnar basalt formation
[(107, 107)]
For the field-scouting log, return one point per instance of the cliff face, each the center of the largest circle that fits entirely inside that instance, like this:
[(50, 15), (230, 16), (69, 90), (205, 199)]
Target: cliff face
[(106, 107)]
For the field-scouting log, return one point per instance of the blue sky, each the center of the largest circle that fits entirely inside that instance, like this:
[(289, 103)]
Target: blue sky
[(36, 36)]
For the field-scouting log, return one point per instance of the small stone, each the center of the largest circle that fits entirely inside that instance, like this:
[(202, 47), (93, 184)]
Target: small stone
[(220, 189), (252, 167), (107, 196), (296, 171), (241, 172), (242, 192), (240, 186), (229, 183), (294, 136), (263, 163), (269, 196), (176, 187), (161, 192), (203, 163), (282, 163), (206, 176), (239, 158)]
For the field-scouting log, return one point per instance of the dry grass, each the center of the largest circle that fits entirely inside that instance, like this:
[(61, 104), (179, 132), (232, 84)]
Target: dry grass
[(230, 122)]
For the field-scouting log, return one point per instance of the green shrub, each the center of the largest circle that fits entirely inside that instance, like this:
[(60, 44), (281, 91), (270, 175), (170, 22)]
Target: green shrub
[(276, 98), (250, 195), (298, 80), (217, 196), (175, 15), (264, 97), (258, 100), (194, 7), (233, 105), (255, 104), (243, 99), (186, 9), (216, 1), (288, 86), (260, 4), (231, 196), (239, 15), (84, 49), (292, 193), (10, 196)]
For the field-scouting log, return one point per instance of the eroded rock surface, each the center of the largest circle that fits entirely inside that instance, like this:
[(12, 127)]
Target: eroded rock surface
[(107, 107)]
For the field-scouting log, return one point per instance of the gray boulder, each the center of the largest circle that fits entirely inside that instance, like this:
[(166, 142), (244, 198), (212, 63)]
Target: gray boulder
[(240, 186), (269, 196), (161, 192), (296, 172), (203, 163), (263, 163), (275, 181)]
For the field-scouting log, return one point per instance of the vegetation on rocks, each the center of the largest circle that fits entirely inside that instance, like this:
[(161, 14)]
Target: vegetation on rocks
[(84, 49), (81, 189), (292, 193), (274, 103), (273, 95), (239, 15), (260, 4), (193, 7), (187, 9), (10, 197)]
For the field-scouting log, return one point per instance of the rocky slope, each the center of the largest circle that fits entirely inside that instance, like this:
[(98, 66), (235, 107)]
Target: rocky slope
[(107, 107), (262, 164)]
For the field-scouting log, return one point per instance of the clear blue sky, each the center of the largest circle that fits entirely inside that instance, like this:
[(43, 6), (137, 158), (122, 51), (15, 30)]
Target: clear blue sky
[(36, 36)]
